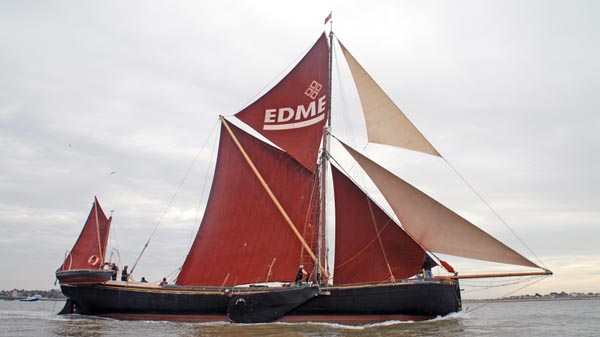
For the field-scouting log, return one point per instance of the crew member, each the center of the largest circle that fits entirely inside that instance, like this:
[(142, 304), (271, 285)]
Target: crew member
[(124, 274), (300, 274)]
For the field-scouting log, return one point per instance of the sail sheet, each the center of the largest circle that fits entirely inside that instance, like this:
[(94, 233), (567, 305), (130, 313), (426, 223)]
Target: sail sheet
[(243, 238), (369, 246), (386, 123), (292, 114), (434, 226), (92, 241)]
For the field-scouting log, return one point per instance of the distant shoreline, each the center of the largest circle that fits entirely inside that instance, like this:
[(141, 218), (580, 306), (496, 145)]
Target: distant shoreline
[(8, 298), (22, 298), (530, 299)]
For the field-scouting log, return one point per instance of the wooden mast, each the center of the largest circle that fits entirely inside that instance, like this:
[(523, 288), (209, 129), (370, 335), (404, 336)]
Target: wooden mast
[(322, 240), (264, 184)]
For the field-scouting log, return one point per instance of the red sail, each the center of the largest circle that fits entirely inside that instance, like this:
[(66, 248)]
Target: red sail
[(292, 114), (90, 248), (361, 255), (243, 237)]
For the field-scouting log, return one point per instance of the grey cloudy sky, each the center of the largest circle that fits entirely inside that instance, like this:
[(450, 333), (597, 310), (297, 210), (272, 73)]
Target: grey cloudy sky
[(507, 91)]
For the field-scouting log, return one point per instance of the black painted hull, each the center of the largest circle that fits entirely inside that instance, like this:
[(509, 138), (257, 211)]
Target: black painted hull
[(348, 304)]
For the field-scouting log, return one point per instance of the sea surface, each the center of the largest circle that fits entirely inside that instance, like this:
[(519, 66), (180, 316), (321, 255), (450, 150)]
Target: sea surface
[(531, 319)]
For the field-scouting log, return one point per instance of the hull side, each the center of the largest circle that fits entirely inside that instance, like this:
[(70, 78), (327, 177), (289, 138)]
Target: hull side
[(413, 299), (117, 299), (345, 304)]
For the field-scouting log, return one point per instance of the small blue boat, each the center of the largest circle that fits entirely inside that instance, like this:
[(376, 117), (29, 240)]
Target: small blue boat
[(33, 298)]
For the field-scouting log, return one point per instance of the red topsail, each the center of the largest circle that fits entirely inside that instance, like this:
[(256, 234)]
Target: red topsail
[(292, 114)]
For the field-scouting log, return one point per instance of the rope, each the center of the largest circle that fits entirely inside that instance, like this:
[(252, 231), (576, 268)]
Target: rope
[(206, 179), (392, 217), (171, 275), (187, 173), (387, 263), (495, 213), (488, 206), (279, 77), (511, 292)]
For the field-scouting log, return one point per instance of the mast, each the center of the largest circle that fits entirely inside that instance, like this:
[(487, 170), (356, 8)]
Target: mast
[(323, 163)]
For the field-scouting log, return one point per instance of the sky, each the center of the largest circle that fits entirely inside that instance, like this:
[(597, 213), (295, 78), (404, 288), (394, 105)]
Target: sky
[(118, 100)]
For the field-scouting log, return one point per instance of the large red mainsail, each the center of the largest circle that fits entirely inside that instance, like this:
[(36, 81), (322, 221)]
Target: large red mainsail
[(91, 242), (369, 246), (292, 114), (243, 237)]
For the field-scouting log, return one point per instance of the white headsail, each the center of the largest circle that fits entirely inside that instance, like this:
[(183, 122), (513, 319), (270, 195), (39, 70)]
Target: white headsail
[(432, 224), (386, 124)]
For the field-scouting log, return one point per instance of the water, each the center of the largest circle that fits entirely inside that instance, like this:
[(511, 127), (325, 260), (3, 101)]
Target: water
[(531, 319)]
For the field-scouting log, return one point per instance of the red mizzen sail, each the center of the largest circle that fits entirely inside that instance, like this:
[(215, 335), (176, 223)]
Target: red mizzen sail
[(292, 114), (91, 242), (370, 246), (243, 237)]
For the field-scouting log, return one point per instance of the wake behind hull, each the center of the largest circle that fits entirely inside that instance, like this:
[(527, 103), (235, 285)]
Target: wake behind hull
[(343, 304)]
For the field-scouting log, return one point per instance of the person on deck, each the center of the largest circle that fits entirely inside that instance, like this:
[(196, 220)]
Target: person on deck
[(300, 274), (163, 282), (124, 274), (143, 280), (115, 271), (427, 265)]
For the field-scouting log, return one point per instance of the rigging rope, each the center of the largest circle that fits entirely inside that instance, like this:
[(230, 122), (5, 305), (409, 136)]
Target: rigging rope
[(187, 173), (114, 242), (384, 210), (488, 205), (511, 292), (279, 76), (206, 179), (495, 213)]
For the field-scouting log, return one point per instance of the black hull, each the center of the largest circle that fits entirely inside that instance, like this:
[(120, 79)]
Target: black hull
[(347, 304)]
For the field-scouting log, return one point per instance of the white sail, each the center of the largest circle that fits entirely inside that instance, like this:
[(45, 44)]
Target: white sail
[(433, 225), (386, 124)]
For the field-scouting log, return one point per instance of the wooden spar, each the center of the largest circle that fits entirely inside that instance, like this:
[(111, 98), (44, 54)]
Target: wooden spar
[(273, 198), (468, 276), (98, 232)]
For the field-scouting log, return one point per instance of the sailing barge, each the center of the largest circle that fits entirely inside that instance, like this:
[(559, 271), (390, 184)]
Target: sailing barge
[(242, 263)]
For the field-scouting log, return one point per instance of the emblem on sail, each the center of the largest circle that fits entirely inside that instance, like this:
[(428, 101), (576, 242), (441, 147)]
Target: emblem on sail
[(292, 113), (301, 116)]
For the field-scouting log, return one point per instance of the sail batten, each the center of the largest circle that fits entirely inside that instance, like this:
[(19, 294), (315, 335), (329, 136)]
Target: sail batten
[(386, 123), (434, 226)]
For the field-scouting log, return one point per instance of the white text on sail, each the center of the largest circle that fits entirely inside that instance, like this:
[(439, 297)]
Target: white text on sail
[(290, 118)]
